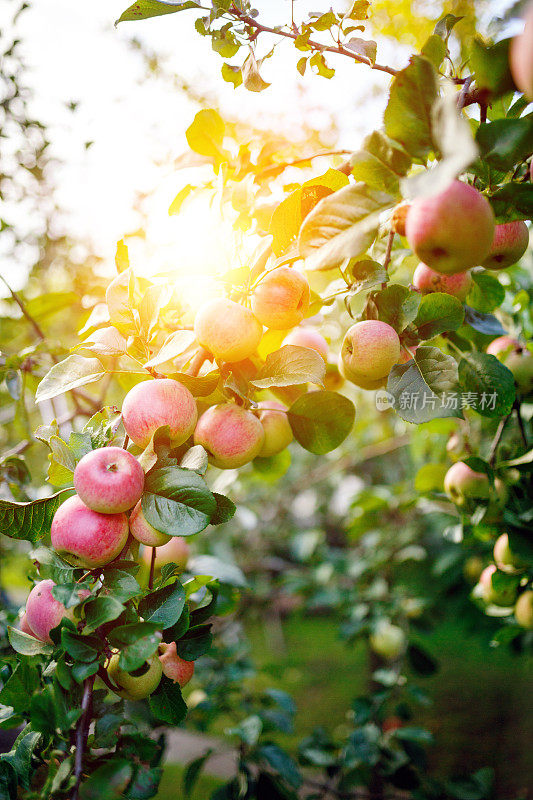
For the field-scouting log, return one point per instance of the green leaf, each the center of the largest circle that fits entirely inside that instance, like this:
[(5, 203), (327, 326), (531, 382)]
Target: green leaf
[(69, 374), (225, 509), (173, 346), (438, 313), (120, 299), (108, 781), (321, 421), (218, 570), (380, 163), (102, 610), (199, 386), (177, 501), (81, 648), (489, 382), (143, 9), (206, 133), (282, 763), (29, 521), (20, 686), (363, 47), (20, 757), (50, 303), (164, 606), (506, 142), (486, 292), (397, 306), (342, 226), (430, 478), (167, 704), (445, 25), (415, 387), (120, 584), (484, 323), (273, 468), (193, 770), (408, 113), (289, 366), (366, 274), (513, 201), (490, 66), (434, 49), (195, 643), (137, 642)]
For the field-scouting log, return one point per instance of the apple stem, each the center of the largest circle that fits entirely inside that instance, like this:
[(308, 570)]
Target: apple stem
[(152, 567), (82, 732), (197, 362)]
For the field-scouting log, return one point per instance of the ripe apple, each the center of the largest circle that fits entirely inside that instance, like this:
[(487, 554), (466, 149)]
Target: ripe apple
[(231, 435), (278, 432), (369, 351), (521, 56), (86, 538), (144, 532), (176, 550), (427, 280), (24, 626), (511, 240), (307, 337), (523, 609), (109, 480), (399, 218), (44, 612), (502, 346), (504, 557), (152, 404), (387, 640), (486, 590), (174, 667), (227, 329), (281, 299), (453, 230), (465, 487), (358, 380), (138, 684)]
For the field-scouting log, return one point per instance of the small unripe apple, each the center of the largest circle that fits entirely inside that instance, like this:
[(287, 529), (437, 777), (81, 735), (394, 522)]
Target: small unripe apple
[(281, 298), (464, 486), (231, 435), (369, 351), (176, 551), (521, 56), (109, 480), (399, 218), (453, 230), (504, 557), (511, 240), (278, 432), (138, 684), (307, 337), (86, 538), (486, 590), (155, 403), (520, 362), (227, 329), (174, 667), (427, 280), (43, 611), (472, 569), (523, 609), (144, 532), (388, 640)]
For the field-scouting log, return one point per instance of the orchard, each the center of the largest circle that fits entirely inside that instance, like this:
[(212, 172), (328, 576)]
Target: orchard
[(323, 452)]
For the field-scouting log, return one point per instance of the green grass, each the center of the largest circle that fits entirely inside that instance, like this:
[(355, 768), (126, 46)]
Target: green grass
[(171, 787)]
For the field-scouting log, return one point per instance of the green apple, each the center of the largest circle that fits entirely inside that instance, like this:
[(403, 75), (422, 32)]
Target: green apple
[(523, 609), (464, 486), (138, 684), (387, 640), (504, 557)]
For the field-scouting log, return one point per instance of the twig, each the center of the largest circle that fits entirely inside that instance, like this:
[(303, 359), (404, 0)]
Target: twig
[(294, 162), (197, 362), (521, 423), (497, 439), (82, 732), (388, 253), (152, 568)]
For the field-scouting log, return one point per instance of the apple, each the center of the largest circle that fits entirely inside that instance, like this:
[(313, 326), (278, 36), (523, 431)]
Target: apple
[(516, 358), (399, 218), (144, 532), (174, 667), (152, 404), (138, 684), (523, 609), (521, 56), (281, 299), (278, 432), (391, 724), (427, 280), (369, 351), (44, 612), (109, 480), (87, 538), (307, 337), (464, 486), (504, 557), (472, 568), (176, 550), (453, 230), (231, 435), (358, 380), (502, 346), (387, 640), (228, 330), (24, 626), (486, 590), (511, 240)]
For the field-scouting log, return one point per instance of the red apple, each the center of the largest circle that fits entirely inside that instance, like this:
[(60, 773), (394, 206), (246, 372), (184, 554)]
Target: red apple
[(511, 240), (231, 435), (24, 626), (144, 532), (307, 337), (278, 432), (174, 667), (109, 480), (281, 298), (44, 612), (369, 351), (427, 280), (152, 404), (86, 538), (176, 550), (521, 56), (228, 330)]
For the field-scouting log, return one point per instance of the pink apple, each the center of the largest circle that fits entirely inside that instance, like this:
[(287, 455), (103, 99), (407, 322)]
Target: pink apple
[(144, 532), (24, 626), (281, 298), (427, 280), (521, 56), (510, 242), (307, 337), (278, 432), (43, 611), (228, 330), (399, 218), (109, 480), (176, 550), (174, 667), (369, 351), (502, 346), (451, 231), (86, 538), (152, 404), (231, 435)]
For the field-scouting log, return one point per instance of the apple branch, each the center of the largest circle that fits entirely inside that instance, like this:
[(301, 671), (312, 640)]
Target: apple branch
[(82, 732)]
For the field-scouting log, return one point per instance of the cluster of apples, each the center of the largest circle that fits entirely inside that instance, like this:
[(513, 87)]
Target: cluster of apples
[(515, 598), (90, 530)]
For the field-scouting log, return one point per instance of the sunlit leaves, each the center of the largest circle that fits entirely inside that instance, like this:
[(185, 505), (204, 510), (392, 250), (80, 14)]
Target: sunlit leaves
[(490, 66), (143, 9), (438, 313), (177, 501), (72, 372), (206, 133), (426, 387), (408, 113), (321, 421), (506, 142), (291, 365)]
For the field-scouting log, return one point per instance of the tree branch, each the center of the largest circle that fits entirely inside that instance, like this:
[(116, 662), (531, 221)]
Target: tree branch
[(82, 732)]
